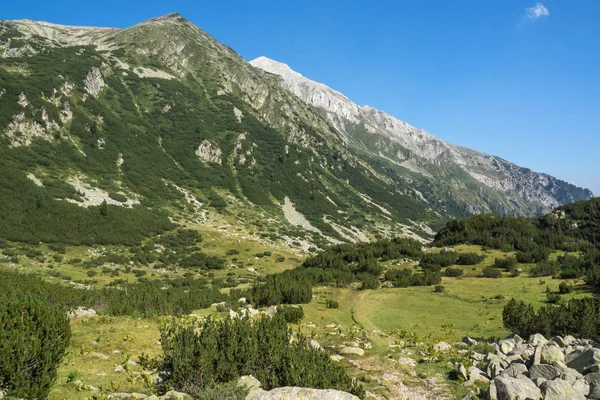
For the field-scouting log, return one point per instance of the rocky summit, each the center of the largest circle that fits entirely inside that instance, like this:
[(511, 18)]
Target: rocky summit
[(160, 122)]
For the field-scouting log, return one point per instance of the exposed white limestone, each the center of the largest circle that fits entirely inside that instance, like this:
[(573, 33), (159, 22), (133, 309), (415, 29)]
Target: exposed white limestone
[(208, 151), (94, 82), (34, 179), (295, 218), (238, 114), (23, 102), (93, 196), (144, 72)]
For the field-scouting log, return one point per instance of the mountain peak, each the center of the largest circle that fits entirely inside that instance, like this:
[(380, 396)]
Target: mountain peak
[(275, 67)]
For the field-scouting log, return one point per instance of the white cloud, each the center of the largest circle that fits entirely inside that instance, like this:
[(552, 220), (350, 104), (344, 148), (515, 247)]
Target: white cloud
[(537, 11)]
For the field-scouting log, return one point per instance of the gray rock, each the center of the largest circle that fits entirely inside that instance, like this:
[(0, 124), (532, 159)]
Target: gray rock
[(593, 380), (581, 361), (477, 375), (514, 370), (551, 354), (173, 395), (442, 347), (545, 371), (508, 388), (537, 355), (477, 356), (506, 345), (462, 372), (539, 381), (82, 312), (537, 339), (468, 341), (271, 310), (562, 390), (336, 357), (313, 344), (594, 368), (249, 382), (494, 369), (570, 375), (287, 393), (357, 351), (119, 369), (518, 339), (581, 386), (559, 341)]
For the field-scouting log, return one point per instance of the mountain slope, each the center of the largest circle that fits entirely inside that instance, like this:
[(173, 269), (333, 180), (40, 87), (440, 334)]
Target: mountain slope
[(109, 135), (381, 134)]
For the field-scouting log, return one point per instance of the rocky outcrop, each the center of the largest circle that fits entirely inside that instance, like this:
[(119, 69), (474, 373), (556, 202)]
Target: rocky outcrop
[(82, 312), (208, 151), (94, 82)]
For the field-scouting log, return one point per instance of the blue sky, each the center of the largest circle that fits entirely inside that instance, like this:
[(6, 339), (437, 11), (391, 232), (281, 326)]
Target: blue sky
[(515, 78)]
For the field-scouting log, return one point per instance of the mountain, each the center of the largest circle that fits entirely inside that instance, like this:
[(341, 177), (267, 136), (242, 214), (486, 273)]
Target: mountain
[(112, 135), (380, 134)]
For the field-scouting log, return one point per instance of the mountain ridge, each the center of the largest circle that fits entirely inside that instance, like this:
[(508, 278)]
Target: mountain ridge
[(160, 116), (341, 111)]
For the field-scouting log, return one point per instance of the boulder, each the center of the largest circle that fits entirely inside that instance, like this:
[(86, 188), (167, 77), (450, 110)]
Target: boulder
[(570, 375), (506, 345), (357, 351), (442, 347), (271, 310), (82, 312), (515, 370), (477, 375), (250, 382), (537, 339), (593, 380), (546, 371), (469, 342), (336, 357), (581, 361), (562, 390), (286, 393), (119, 369), (173, 395), (539, 381), (559, 341), (581, 386), (233, 314), (462, 372), (242, 300), (508, 388), (313, 344), (551, 354)]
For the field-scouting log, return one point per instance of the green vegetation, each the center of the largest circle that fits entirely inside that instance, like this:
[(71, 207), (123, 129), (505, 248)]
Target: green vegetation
[(33, 341), (232, 348), (578, 317)]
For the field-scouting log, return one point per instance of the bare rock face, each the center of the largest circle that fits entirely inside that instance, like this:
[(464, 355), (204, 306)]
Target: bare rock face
[(94, 82), (208, 151)]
